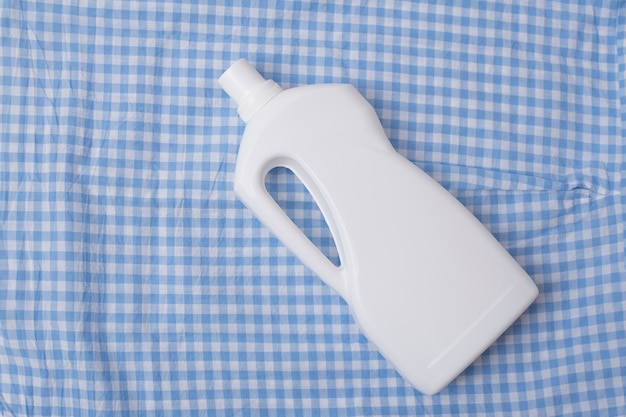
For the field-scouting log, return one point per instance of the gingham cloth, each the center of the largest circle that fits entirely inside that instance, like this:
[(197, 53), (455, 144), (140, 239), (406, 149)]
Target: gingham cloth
[(132, 282)]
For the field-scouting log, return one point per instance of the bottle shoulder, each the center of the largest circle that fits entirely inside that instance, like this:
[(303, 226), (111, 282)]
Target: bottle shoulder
[(331, 114), (313, 102)]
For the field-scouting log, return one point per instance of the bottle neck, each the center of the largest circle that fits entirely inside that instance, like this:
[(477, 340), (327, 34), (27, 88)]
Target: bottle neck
[(258, 98), (247, 88)]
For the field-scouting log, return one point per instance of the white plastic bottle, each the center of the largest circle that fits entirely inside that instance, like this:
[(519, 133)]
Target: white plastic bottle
[(427, 283)]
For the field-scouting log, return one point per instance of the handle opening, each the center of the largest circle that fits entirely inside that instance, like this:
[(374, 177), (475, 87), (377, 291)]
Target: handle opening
[(293, 197)]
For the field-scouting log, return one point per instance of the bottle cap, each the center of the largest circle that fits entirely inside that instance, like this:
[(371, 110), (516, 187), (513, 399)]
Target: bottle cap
[(247, 88)]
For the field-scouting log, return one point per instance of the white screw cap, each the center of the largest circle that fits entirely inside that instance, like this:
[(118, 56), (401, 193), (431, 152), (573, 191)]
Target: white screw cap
[(247, 88)]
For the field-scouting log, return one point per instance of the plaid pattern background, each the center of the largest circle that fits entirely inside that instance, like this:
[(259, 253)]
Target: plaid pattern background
[(132, 282)]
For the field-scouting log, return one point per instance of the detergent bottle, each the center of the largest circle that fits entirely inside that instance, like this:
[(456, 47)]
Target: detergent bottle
[(427, 283)]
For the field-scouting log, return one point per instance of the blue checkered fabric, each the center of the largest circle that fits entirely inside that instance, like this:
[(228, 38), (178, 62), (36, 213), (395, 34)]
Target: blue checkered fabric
[(132, 282)]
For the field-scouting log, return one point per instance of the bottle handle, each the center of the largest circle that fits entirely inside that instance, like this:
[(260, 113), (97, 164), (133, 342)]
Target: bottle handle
[(250, 188)]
